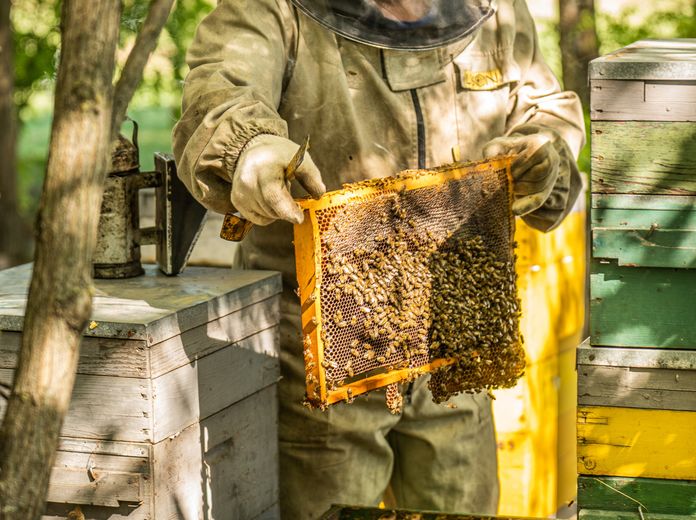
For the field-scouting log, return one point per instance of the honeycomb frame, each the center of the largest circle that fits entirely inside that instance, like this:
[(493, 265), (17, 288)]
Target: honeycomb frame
[(321, 391)]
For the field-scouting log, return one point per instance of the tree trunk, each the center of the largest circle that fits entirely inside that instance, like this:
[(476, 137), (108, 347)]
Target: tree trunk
[(13, 232), (60, 294), (132, 73), (579, 44)]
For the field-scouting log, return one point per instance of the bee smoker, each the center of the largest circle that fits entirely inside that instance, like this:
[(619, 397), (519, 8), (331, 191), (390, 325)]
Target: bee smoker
[(178, 216)]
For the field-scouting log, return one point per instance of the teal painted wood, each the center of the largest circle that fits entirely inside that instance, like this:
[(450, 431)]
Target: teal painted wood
[(645, 202), (646, 247), (642, 307), (648, 231), (643, 157), (676, 497)]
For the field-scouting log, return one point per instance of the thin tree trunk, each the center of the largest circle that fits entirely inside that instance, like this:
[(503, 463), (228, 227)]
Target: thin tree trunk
[(132, 73), (13, 241), (61, 288), (579, 44)]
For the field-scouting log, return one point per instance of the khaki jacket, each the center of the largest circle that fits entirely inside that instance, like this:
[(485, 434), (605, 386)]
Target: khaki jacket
[(262, 67)]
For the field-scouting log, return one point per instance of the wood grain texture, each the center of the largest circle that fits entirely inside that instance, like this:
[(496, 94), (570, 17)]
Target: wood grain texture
[(649, 59), (632, 387), (677, 497), (116, 468), (98, 356), (212, 336), (645, 231), (105, 407), (642, 307), (153, 307), (644, 158), (195, 391), (638, 100), (224, 467), (636, 357), (241, 456), (627, 442), (76, 486)]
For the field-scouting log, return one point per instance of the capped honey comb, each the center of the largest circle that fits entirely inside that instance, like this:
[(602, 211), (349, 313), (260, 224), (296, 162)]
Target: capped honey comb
[(407, 275)]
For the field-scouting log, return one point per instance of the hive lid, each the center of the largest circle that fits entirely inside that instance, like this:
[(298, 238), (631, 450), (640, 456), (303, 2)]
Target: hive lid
[(649, 60), (152, 307)]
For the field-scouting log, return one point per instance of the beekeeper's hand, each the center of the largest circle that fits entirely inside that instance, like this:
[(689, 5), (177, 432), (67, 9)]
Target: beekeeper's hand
[(259, 190), (539, 169)]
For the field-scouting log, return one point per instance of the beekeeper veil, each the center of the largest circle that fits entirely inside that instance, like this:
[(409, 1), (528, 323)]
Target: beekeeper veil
[(400, 24)]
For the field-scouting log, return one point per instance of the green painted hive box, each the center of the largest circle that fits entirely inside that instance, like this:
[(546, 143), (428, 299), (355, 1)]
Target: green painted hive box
[(643, 271)]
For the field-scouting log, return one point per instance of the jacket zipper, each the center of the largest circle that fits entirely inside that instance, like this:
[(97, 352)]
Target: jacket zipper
[(420, 124)]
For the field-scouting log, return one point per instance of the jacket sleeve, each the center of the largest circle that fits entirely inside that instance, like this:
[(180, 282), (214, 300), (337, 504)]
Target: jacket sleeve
[(538, 104), (238, 62)]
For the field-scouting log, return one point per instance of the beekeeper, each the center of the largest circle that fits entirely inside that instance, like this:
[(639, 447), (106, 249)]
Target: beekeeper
[(381, 86)]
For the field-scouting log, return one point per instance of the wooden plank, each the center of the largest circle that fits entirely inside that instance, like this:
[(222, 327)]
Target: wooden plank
[(631, 387), (683, 204), (652, 247), (636, 357), (642, 307), (106, 468), (629, 100), (98, 356), (647, 231), (210, 337), (628, 442), (78, 486), (241, 455), (593, 514), (644, 158), (153, 307), (92, 447), (104, 407), (236, 477), (676, 497), (195, 391), (674, 58)]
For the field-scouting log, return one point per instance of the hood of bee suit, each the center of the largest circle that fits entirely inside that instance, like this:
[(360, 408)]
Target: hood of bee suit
[(438, 22)]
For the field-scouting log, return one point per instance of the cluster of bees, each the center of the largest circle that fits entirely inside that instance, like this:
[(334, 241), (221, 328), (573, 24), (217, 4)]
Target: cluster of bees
[(409, 295), (475, 322)]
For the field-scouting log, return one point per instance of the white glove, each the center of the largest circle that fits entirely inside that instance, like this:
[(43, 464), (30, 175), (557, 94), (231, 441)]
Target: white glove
[(535, 169), (259, 190)]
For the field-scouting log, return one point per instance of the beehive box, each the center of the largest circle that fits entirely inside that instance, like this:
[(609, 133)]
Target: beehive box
[(643, 193), (637, 375), (636, 418), (173, 413)]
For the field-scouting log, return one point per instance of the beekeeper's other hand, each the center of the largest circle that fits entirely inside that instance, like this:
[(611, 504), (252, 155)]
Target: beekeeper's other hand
[(535, 169), (259, 190)]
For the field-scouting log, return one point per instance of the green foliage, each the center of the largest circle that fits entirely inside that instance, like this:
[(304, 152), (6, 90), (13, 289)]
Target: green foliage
[(676, 21), (35, 39)]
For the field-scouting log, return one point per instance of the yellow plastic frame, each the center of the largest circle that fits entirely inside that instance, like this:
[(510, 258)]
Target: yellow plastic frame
[(308, 264)]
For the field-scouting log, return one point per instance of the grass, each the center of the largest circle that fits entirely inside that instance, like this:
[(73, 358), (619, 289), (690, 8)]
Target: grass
[(154, 135)]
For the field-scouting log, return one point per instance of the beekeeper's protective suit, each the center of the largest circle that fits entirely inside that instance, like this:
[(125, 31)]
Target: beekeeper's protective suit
[(380, 86)]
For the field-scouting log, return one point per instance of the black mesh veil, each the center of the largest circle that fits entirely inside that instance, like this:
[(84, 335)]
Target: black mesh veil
[(432, 24)]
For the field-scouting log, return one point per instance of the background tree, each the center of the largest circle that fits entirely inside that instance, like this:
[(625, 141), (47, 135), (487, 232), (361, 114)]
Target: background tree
[(12, 232), (579, 44), (60, 294)]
